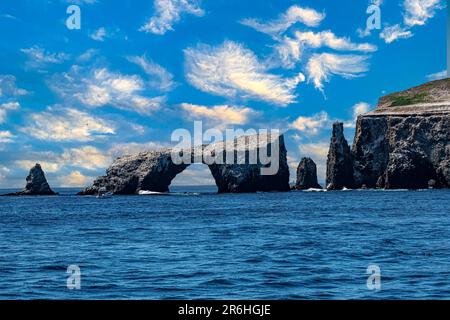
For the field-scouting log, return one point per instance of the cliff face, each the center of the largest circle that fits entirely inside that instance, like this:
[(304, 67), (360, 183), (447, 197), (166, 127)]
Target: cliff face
[(339, 164), (405, 142), (155, 170)]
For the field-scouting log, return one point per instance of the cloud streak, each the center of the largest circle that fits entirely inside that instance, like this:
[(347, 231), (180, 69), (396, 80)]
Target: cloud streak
[(294, 14), (168, 13), (67, 124), (231, 70)]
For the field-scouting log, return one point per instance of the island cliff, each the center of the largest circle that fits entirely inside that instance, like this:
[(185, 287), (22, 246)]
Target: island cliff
[(403, 144), (155, 170)]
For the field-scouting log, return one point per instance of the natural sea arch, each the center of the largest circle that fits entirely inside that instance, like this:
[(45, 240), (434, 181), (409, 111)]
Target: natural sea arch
[(155, 170)]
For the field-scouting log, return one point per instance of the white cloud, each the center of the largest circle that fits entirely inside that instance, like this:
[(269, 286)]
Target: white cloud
[(395, 32), (74, 179), (168, 12), (49, 165), (318, 150), (418, 12), (100, 87), (360, 108), (67, 124), (8, 87), (321, 67), (330, 40), (86, 157), (6, 136), (39, 57), (294, 14), (99, 35), (311, 125), (290, 50), (438, 75), (231, 70), (5, 107), (415, 13), (87, 55), (222, 114), (161, 79)]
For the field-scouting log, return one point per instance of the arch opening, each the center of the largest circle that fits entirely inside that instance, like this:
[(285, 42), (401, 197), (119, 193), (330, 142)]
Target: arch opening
[(197, 177)]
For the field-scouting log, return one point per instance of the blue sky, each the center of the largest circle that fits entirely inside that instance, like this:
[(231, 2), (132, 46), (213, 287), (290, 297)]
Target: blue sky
[(137, 70)]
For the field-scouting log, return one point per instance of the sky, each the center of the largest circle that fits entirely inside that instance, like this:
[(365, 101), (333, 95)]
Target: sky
[(73, 99)]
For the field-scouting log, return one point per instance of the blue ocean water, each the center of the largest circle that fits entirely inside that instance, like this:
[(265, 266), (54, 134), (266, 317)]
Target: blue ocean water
[(298, 245)]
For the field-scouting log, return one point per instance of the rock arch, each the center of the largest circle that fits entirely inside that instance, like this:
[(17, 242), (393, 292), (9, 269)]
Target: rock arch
[(155, 170)]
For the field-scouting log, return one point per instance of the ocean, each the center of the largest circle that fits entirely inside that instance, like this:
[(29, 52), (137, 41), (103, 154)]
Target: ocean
[(195, 244)]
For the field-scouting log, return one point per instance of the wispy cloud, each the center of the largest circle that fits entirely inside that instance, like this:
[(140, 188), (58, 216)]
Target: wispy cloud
[(294, 14), (415, 13), (39, 57), (6, 136), (418, 12), (231, 70), (299, 50), (290, 50), (311, 125), (99, 35), (168, 13), (394, 33), (321, 67), (8, 87), (74, 179), (98, 87), (438, 75), (67, 124), (160, 78), (5, 108), (86, 157), (219, 115)]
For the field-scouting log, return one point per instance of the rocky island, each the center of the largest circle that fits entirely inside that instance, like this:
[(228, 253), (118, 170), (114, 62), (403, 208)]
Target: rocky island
[(403, 144), (307, 175), (37, 184), (155, 170)]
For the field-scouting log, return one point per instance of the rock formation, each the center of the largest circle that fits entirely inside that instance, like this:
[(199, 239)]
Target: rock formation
[(339, 164), (307, 175), (155, 170), (37, 184), (405, 142)]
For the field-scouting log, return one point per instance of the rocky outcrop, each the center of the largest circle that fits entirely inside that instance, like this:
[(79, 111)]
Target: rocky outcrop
[(37, 184), (155, 170), (339, 163), (307, 175), (405, 142)]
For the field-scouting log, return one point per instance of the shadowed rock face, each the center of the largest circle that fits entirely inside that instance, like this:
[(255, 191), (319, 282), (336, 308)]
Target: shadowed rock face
[(37, 184), (339, 164), (155, 170), (405, 142), (307, 175)]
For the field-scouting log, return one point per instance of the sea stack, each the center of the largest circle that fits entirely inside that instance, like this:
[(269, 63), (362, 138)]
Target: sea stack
[(339, 164), (37, 184), (405, 142), (307, 175)]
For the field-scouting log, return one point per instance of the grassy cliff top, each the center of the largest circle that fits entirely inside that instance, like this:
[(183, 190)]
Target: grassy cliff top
[(432, 92)]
